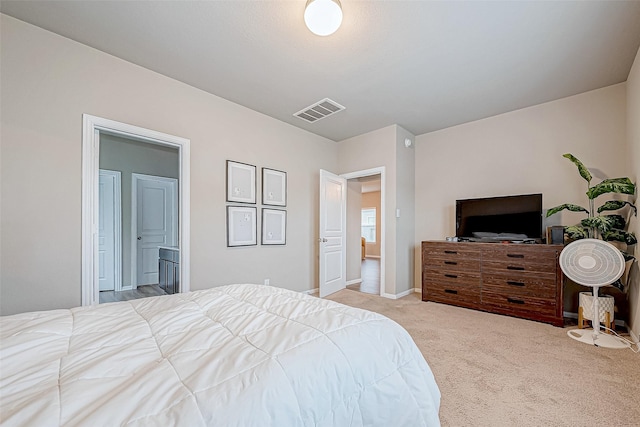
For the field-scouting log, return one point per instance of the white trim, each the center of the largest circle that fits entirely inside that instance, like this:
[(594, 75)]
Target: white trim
[(117, 241), (383, 216), (372, 256), (417, 290), (354, 282), (91, 128), (633, 335), (311, 291), (135, 177), (400, 295)]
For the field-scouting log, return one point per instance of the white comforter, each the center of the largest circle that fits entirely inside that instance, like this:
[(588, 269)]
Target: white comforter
[(240, 355)]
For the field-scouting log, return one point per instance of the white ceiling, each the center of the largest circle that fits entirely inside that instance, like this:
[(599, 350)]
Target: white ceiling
[(423, 65)]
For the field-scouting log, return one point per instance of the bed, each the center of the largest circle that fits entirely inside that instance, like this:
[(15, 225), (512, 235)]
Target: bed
[(238, 355)]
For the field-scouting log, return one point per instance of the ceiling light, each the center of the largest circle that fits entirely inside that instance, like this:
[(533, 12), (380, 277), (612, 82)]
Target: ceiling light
[(323, 17)]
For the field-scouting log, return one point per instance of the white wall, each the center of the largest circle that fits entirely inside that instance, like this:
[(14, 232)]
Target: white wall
[(517, 153), (48, 82), (633, 140)]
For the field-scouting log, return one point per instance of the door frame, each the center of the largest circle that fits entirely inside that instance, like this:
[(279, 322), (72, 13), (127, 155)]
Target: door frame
[(117, 238), (383, 256), (135, 177), (91, 128)]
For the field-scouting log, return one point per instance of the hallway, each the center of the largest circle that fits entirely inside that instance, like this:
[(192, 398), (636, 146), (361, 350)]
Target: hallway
[(370, 277)]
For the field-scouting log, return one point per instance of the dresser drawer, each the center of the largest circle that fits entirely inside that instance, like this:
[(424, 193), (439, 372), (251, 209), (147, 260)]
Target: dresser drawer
[(518, 267), (452, 293), (448, 250), (532, 257), (509, 303), (542, 285), (455, 264), (440, 276)]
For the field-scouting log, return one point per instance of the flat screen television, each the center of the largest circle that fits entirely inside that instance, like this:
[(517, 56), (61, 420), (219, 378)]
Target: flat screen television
[(506, 218)]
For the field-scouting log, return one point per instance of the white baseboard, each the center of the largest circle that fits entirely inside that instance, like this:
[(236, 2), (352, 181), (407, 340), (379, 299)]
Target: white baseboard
[(634, 337), (312, 291), (372, 256), (417, 290), (400, 295), (354, 282)]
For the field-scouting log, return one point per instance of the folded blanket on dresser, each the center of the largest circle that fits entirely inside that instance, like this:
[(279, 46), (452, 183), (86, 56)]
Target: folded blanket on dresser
[(239, 355)]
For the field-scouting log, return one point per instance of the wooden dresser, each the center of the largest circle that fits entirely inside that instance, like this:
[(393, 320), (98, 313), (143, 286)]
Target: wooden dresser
[(515, 279)]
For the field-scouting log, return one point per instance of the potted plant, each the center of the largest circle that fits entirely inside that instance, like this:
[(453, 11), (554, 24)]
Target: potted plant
[(600, 223)]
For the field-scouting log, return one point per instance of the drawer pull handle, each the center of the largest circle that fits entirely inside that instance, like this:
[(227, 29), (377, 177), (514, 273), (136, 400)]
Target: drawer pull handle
[(451, 291), (451, 262), (512, 267), (512, 283), (515, 255), (515, 301), (453, 276), (450, 252)]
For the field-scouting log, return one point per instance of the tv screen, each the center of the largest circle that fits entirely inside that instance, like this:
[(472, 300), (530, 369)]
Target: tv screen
[(500, 218)]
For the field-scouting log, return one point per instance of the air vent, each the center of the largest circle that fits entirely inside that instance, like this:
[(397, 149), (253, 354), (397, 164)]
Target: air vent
[(319, 110)]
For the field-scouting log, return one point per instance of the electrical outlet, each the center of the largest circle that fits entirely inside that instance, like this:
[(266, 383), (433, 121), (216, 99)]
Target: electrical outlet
[(266, 282)]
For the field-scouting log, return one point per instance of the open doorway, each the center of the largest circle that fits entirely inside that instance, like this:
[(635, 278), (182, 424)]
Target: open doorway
[(366, 231), (370, 232), (153, 169), (148, 208)]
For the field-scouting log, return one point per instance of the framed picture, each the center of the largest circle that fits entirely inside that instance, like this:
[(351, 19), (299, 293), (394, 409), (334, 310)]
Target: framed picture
[(274, 187), (241, 182), (241, 226), (274, 227)]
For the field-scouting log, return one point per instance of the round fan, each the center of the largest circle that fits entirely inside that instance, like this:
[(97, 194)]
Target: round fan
[(594, 263)]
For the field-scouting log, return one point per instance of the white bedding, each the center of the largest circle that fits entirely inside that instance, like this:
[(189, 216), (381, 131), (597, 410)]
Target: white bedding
[(240, 355)]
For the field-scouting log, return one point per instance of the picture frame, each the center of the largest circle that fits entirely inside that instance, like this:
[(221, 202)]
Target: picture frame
[(274, 226), (242, 226), (241, 182), (274, 187)]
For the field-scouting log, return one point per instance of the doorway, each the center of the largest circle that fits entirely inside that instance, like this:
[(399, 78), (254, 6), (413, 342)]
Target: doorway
[(370, 232), (366, 259), (94, 129)]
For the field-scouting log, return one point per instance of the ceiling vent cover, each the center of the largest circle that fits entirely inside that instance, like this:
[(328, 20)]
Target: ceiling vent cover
[(319, 110)]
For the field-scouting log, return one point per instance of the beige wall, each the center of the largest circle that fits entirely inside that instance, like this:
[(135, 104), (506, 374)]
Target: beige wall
[(372, 200), (128, 157), (48, 82), (633, 139), (372, 150), (354, 254), (405, 203), (385, 147), (517, 153)]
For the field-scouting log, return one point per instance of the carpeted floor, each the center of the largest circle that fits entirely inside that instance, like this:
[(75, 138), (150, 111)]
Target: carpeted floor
[(501, 371)]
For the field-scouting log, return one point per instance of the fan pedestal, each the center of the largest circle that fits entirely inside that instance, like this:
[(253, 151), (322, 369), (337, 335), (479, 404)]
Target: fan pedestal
[(595, 337)]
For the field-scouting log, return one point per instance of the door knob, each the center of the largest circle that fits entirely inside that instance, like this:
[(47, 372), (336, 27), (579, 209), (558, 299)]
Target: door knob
[(139, 237)]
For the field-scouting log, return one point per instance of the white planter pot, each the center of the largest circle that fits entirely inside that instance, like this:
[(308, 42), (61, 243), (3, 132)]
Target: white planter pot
[(606, 302)]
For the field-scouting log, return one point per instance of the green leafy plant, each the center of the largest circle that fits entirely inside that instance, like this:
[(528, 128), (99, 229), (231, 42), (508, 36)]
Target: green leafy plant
[(601, 223)]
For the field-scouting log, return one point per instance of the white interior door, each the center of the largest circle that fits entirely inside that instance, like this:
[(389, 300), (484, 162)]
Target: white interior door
[(109, 231), (155, 223), (333, 233)]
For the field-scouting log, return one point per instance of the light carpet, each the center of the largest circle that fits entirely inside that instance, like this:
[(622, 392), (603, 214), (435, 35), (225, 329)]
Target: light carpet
[(497, 370)]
